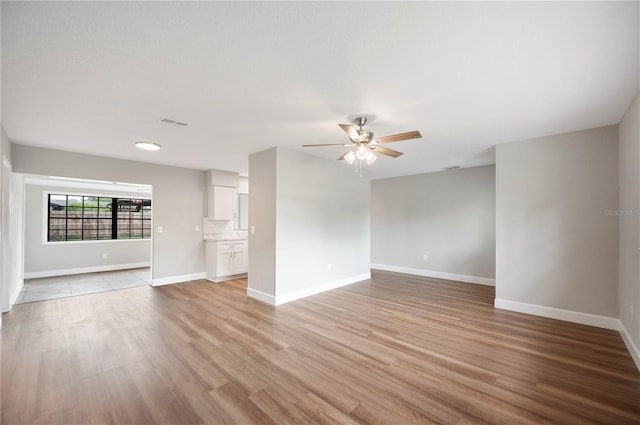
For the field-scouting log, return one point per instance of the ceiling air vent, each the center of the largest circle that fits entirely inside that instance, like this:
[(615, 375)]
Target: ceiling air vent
[(169, 121), (453, 167)]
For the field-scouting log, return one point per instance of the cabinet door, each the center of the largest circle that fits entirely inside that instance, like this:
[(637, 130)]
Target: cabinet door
[(239, 261), (224, 263), (221, 203), (211, 254)]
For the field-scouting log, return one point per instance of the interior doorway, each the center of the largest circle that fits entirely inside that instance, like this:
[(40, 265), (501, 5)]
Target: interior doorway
[(84, 236)]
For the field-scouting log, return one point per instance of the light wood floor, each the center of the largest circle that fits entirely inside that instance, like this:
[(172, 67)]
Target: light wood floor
[(396, 350)]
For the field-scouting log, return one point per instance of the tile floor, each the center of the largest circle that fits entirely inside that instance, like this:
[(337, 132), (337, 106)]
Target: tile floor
[(49, 288)]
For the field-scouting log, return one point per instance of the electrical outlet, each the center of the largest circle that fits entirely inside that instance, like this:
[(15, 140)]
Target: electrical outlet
[(424, 257), (104, 256), (197, 227), (160, 229)]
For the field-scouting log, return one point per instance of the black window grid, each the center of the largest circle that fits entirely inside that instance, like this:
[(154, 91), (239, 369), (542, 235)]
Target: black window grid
[(129, 219)]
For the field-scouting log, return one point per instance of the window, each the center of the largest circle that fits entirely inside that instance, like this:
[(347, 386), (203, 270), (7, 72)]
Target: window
[(82, 218)]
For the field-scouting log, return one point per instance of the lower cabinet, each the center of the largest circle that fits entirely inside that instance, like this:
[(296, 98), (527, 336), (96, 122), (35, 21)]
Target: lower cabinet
[(225, 259)]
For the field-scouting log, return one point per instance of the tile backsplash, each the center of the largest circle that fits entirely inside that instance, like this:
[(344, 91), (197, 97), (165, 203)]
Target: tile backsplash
[(217, 227), (220, 230)]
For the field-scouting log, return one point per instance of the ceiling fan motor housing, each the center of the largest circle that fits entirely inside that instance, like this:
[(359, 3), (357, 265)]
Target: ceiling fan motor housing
[(360, 121), (365, 135)]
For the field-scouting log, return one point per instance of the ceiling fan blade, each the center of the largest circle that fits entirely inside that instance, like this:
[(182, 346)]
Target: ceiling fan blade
[(343, 155), (351, 132), (386, 151), (325, 144), (398, 137)]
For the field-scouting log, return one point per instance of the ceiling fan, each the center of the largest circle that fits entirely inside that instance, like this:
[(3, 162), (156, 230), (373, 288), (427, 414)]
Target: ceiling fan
[(363, 144)]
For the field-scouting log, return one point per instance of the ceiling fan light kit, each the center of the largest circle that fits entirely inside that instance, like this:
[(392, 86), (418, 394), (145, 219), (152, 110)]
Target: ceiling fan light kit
[(363, 144), (371, 158), (350, 157)]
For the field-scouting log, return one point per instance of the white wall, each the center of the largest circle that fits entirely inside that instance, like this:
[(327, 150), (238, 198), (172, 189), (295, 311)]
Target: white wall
[(17, 252), (556, 246), (2, 150), (42, 259), (178, 202), (262, 225), (243, 185), (5, 147), (6, 271), (322, 219), (321, 230), (5, 257), (448, 215), (629, 186)]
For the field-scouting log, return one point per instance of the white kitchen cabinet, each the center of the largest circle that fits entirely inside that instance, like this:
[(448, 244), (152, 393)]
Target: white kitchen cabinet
[(225, 260), (221, 203), (222, 178)]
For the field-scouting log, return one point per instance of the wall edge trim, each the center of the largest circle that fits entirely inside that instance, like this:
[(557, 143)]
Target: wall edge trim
[(323, 287), (93, 269), (598, 321), (177, 279), (261, 296), (16, 294), (633, 350), (438, 275)]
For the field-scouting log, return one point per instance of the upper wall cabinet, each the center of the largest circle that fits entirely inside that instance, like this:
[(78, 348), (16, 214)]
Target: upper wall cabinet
[(222, 178), (221, 203)]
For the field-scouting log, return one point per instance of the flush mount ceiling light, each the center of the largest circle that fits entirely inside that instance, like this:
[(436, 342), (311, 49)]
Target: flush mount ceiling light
[(363, 144), (148, 146)]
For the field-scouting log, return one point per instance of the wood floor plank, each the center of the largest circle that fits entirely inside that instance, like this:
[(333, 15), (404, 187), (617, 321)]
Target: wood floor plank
[(396, 349), (278, 408), (322, 412)]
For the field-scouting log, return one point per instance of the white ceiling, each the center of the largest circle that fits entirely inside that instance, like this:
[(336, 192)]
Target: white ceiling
[(94, 77)]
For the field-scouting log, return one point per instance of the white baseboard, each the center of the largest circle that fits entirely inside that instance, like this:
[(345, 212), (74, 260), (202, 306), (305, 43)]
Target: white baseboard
[(435, 274), (177, 279), (633, 350), (560, 314), (14, 296), (302, 293), (64, 272), (261, 296), (225, 278)]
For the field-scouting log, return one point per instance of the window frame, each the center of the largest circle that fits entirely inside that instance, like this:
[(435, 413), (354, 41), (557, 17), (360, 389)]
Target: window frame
[(45, 216)]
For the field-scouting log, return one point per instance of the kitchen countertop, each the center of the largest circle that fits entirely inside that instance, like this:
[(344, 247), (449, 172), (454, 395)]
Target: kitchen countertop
[(222, 238)]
